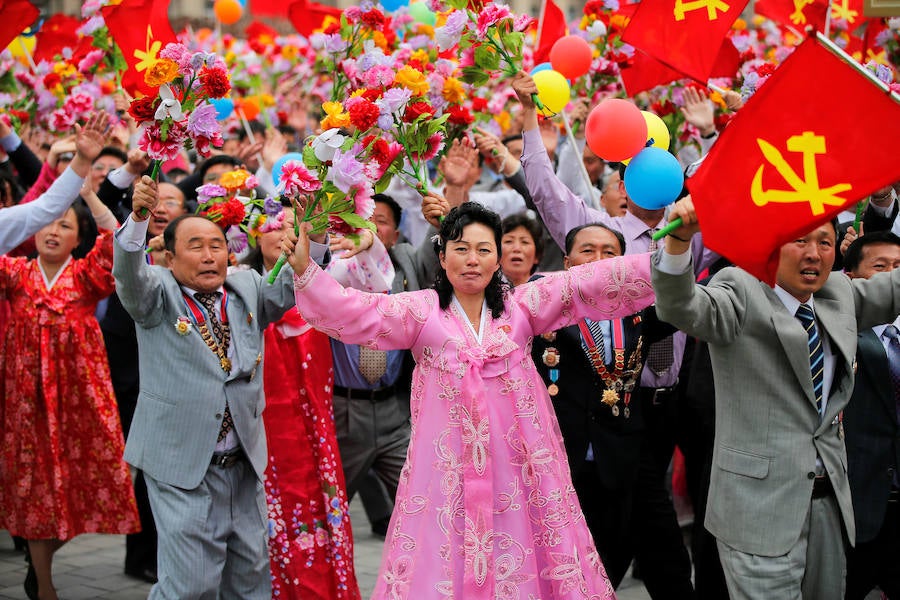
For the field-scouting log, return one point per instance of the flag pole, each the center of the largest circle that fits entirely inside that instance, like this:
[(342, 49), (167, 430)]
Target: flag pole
[(537, 39), (828, 20), (27, 54), (855, 64), (584, 174)]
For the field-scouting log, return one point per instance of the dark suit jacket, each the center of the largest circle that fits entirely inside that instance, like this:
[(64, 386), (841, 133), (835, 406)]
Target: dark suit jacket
[(583, 418), (872, 437)]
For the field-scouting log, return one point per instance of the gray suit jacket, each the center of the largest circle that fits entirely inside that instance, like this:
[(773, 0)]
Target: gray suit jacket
[(183, 388), (768, 431)]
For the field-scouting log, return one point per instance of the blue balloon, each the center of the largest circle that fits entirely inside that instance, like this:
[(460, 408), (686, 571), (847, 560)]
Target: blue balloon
[(653, 178), (279, 164), (224, 107), (544, 66), (392, 5), (243, 3)]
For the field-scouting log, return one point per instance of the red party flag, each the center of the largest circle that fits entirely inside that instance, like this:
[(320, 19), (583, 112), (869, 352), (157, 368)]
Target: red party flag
[(645, 72), (791, 160), (17, 16), (795, 13), (686, 35), (269, 8), (56, 34), (551, 27), (307, 17), (140, 45)]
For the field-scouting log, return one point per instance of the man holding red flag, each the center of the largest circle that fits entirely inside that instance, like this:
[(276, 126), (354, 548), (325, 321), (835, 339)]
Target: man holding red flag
[(783, 360)]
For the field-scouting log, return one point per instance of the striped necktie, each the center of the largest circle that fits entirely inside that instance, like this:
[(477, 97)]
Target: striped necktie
[(816, 354)]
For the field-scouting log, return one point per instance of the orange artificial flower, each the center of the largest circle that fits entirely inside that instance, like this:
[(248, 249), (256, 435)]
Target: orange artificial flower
[(412, 80), (453, 91), (163, 71), (234, 180), (335, 117)]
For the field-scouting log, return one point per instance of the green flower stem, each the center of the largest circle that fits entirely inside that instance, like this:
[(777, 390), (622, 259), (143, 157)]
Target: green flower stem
[(154, 175), (513, 69), (860, 209), (273, 275)]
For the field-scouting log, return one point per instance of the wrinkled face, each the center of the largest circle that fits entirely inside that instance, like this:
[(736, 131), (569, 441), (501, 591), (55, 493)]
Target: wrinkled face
[(613, 197), (877, 258), (518, 256), (592, 244), (200, 259), (472, 260), (805, 263), (56, 241), (101, 168), (386, 227), (171, 205)]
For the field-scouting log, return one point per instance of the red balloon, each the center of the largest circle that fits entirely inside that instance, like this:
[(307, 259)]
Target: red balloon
[(571, 56), (615, 130)]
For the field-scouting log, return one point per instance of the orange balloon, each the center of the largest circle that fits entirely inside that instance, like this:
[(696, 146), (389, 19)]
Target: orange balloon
[(250, 108), (228, 12)]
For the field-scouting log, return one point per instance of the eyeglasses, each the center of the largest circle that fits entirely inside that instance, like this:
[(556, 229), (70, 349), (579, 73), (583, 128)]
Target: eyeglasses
[(175, 204)]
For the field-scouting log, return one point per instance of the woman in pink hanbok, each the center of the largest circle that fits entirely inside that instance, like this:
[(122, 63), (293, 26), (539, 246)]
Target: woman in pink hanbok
[(486, 506)]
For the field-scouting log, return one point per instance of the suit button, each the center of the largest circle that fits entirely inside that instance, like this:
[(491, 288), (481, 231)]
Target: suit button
[(811, 475), (218, 415)]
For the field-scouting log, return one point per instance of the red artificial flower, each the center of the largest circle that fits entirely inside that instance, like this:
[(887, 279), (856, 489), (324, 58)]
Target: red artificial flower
[(363, 114), (662, 108), (143, 109), (372, 94), (215, 81), (374, 19), (460, 115), (225, 214), (51, 80), (765, 69), (593, 8), (338, 226), (416, 109), (479, 104), (332, 28)]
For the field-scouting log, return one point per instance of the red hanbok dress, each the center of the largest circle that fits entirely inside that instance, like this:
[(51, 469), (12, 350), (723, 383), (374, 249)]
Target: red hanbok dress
[(310, 540), (61, 466)]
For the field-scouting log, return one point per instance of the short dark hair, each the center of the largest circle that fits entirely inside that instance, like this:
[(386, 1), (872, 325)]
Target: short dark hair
[(570, 237), (854, 254), (452, 229), (172, 227), (534, 229), (255, 126), (87, 229), (114, 152), (219, 159), (392, 204)]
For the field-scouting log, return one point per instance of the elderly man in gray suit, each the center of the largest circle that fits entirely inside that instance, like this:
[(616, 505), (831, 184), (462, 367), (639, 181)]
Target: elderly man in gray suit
[(779, 499), (197, 432)]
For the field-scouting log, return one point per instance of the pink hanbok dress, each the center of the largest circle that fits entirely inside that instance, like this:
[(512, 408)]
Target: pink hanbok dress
[(485, 506)]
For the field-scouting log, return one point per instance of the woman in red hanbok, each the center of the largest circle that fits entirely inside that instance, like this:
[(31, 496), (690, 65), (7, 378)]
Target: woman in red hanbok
[(61, 466), (310, 541)]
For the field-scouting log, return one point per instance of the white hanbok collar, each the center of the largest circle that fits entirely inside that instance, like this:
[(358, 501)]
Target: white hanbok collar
[(479, 335), (51, 282)]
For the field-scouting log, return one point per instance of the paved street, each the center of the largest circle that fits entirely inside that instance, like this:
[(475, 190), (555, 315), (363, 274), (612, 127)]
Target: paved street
[(91, 567)]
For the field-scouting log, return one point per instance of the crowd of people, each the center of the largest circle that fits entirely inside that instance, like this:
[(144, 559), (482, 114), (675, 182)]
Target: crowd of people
[(502, 367)]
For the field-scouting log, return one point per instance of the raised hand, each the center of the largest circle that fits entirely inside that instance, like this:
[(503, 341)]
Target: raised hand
[(89, 141), (138, 161), (348, 248), (456, 164), (434, 207), (144, 199), (698, 110)]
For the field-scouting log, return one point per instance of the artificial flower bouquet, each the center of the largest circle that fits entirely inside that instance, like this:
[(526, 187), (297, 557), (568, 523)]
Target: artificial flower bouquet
[(231, 203)]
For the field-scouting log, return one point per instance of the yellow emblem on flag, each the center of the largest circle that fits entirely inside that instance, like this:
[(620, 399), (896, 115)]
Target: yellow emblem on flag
[(149, 57), (682, 7), (840, 10), (797, 17), (804, 190)]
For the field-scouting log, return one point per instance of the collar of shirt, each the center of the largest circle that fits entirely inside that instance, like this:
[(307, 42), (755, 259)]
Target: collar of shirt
[(791, 303), (879, 329), (633, 229)]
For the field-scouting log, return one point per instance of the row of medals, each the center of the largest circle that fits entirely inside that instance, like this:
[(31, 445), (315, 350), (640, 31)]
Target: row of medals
[(614, 386)]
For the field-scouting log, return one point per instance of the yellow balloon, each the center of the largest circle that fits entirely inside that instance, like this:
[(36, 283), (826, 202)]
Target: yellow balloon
[(656, 131), (553, 90), (15, 47)]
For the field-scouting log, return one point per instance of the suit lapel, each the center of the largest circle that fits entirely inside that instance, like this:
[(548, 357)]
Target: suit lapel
[(843, 347), (237, 322), (794, 341), (873, 360)]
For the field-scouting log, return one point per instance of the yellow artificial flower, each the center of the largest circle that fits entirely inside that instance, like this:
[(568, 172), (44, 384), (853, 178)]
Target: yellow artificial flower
[(381, 41), (758, 20), (335, 117), (717, 99), (358, 92), (230, 57), (426, 30), (233, 180), (162, 71), (412, 80), (453, 91), (740, 25), (618, 21), (266, 100), (64, 69), (420, 55), (289, 52), (504, 121)]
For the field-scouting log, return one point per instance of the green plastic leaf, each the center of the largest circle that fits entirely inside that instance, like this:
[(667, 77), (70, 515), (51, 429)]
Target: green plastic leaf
[(487, 58), (354, 220), (475, 76), (512, 41)]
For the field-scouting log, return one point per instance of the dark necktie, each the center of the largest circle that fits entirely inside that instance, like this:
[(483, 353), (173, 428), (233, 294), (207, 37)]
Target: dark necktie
[(816, 354), (222, 334), (893, 354), (661, 354)]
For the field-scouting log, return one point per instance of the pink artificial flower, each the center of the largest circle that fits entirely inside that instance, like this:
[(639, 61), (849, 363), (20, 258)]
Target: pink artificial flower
[(363, 204), (296, 179), (62, 120), (435, 143), (90, 60), (490, 15), (78, 103), (158, 149)]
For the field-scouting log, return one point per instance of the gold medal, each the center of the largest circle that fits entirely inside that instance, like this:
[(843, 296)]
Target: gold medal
[(553, 389), (627, 412), (615, 410), (610, 397)]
